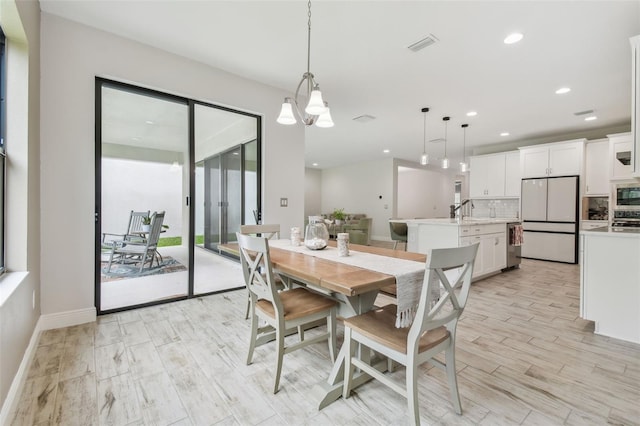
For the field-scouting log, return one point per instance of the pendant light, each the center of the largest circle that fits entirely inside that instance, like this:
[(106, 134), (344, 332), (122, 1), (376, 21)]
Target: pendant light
[(464, 167), (445, 160), (424, 158), (317, 110)]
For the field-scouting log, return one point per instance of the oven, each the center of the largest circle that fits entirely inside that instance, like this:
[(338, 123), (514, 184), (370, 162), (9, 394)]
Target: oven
[(627, 196)]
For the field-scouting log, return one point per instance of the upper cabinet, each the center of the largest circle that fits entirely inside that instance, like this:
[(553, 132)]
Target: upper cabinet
[(556, 159), (635, 105), (597, 170), (620, 156), (494, 175)]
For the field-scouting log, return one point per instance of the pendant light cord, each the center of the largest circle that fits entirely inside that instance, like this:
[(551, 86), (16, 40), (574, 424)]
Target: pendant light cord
[(424, 135)]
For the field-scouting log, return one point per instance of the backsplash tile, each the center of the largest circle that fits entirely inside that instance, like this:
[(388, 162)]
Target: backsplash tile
[(503, 208)]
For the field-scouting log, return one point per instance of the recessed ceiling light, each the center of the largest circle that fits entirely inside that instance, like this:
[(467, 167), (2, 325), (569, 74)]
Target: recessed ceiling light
[(149, 122), (563, 90), (504, 134), (591, 118), (472, 114), (315, 164), (513, 38), (386, 151)]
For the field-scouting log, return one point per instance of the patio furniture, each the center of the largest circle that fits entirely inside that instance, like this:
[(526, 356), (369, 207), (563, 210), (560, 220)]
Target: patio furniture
[(133, 230), (142, 251)]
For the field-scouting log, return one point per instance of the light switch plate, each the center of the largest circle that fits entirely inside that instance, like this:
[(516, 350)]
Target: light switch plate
[(284, 202)]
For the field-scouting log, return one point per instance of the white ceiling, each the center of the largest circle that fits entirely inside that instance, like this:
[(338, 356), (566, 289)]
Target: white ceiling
[(360, 58)]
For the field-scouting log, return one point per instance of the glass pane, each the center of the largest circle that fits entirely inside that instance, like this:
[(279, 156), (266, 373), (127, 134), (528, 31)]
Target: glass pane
[(251, 183), (144, 158), (221, 140)]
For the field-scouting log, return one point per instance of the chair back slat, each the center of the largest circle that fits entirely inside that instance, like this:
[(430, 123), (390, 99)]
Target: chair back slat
[(257, 269), (135, 221), (155, 229), (444, 291), (267, 231)]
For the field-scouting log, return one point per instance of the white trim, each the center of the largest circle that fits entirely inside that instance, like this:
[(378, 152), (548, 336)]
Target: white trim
[(8, 283), (67, 319), (12, 399)]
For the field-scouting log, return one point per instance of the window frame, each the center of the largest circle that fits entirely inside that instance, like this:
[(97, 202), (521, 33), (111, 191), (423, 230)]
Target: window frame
[(3, 156)]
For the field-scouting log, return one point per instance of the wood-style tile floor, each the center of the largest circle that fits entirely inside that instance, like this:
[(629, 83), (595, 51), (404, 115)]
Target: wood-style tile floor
[(523, 357)]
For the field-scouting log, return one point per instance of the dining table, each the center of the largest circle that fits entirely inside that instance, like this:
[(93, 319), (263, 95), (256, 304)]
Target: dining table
[(354, 287)]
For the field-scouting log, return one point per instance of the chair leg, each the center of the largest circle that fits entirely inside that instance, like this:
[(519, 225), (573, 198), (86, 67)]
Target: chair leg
[(331, 328), (412, 392), (254, 336), (395, 244), (279, 356), (246, 315), (348, 365), (450, 358)]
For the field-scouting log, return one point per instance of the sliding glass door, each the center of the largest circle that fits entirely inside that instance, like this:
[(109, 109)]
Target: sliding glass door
[(226, 146), (192, 165)]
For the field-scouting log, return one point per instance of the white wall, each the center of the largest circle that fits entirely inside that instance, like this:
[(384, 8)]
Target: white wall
[(312, 192), (362, 188), (424, 193), (18, 316), (72, 55)]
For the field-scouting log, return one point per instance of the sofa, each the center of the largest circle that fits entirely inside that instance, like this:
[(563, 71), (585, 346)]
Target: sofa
[(357, 225)]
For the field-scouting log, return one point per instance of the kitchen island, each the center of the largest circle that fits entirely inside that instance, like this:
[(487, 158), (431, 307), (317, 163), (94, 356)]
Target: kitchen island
[(425, 234), (610, 281)]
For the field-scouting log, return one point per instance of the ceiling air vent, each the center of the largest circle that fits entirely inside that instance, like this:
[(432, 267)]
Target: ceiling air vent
[(425, 42), (364, 118), (589, 111)]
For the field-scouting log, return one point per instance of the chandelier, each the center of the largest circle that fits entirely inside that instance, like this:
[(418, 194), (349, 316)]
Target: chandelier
[(445, 160), (317, 110), (464, 166)]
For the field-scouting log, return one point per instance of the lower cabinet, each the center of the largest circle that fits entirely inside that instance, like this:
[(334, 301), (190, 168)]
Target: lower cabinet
[(492, 252)]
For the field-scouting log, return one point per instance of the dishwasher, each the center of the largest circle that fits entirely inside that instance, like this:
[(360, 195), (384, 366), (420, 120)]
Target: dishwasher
[(514, 244)]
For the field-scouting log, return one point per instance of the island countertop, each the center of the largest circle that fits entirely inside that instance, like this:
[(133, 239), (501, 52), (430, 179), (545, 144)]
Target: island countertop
[(608, 231), (458, 222)]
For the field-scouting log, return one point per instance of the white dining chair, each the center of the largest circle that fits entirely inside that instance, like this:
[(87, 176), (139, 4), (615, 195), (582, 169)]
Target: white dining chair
[(282, 311), (433, 330)]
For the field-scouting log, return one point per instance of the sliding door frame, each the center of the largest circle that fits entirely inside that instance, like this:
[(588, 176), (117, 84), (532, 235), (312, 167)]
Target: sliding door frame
[(190, 103)]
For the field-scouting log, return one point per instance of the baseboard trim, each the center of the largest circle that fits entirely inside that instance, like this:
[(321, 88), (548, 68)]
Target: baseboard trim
[(45, 322), (67, 319), (12, 399)]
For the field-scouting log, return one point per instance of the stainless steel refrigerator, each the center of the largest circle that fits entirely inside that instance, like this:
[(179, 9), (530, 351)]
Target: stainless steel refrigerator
[(550, 218)]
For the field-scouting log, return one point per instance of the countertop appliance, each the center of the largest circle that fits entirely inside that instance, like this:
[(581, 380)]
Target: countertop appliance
[(627, 196), (549, 218), (625, 219)]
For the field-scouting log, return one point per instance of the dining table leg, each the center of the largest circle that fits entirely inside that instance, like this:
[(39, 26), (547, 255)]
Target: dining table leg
[(330, 390)]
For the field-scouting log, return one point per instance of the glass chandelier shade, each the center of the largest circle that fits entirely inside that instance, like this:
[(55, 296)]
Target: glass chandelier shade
[(464, 166), (445, 160), (316, 112), (424, 158)]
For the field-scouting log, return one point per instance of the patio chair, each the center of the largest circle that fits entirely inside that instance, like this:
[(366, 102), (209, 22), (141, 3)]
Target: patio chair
[(142, 251), (134, 228)]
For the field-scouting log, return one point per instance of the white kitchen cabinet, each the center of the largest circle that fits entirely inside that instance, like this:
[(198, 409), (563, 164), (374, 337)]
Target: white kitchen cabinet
[(620, 153), (487, 176), (495, 175), (597, 170), (555, 159), (427, 234), (512, 177)]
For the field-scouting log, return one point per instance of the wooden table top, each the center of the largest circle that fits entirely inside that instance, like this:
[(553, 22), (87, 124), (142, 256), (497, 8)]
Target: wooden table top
[(335, 276)]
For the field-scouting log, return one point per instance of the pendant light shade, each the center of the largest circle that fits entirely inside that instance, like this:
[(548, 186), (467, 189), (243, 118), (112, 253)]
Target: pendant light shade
[(286, 116), (424, 158), (464, 167), (316, 112), (324, 120), (445, 160)]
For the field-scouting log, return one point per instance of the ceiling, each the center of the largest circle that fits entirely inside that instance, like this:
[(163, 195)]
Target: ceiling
[(360, 57)]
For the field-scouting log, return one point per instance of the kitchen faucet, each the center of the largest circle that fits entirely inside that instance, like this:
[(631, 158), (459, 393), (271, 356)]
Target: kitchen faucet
[(453, 208)]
